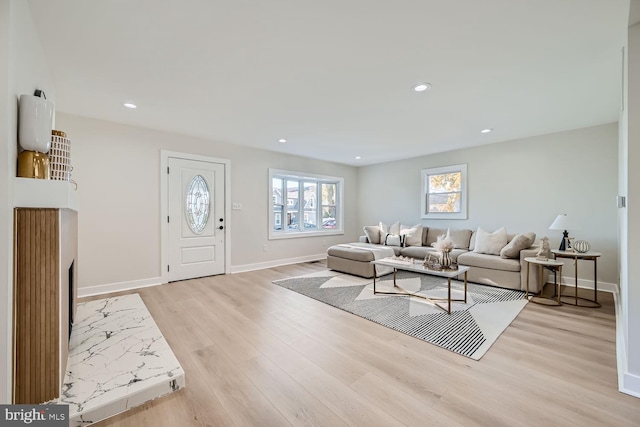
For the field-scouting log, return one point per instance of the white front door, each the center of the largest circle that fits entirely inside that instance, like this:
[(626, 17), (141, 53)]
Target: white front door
[(196, 218)]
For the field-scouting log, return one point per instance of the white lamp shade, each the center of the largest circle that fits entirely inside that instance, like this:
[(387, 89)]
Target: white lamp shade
[(36, 122), (563, 222)]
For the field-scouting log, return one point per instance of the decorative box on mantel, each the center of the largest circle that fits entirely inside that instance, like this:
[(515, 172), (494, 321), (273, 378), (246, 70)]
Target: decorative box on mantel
[(45, 285)]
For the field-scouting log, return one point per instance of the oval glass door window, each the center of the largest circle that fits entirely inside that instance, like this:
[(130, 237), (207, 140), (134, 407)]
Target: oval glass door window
[(197, 204)]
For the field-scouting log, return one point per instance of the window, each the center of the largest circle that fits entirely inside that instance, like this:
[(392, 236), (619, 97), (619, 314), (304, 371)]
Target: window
[(444, 192), (316, 199)]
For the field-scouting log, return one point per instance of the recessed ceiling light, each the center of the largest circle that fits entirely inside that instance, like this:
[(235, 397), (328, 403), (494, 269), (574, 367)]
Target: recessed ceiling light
[(486, 130), (422, 87), (282, 140), (130, 105), (358, 157)]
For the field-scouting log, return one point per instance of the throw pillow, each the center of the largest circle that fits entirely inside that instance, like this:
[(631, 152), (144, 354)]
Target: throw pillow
[(395, 228), (393, 240), (373, 233), (384, 230), (518, 243), (490, 243), (388, 229), (412, 235)]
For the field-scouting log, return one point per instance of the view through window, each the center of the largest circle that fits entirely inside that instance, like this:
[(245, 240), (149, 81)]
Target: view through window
[(304, 203)]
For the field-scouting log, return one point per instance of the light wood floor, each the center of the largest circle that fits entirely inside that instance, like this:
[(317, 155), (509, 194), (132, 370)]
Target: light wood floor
[(256, 354)]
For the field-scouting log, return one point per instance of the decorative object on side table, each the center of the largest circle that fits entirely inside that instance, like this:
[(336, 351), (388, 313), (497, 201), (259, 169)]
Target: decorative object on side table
[(564, 222), (544, 252), (581, 246)]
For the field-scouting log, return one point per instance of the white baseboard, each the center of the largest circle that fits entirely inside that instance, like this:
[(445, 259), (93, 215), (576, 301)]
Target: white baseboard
[(588, 284), (276, 263), (118, 287), (627, 383), (153, 281)]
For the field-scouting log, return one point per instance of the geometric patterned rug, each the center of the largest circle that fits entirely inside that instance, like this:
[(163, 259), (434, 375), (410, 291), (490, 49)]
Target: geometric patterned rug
[(469, 331)]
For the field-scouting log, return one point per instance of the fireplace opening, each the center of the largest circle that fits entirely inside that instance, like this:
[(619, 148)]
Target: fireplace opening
[(71, 297)]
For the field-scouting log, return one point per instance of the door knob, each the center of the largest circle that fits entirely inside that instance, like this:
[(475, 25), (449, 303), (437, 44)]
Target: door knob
[(221, 227)]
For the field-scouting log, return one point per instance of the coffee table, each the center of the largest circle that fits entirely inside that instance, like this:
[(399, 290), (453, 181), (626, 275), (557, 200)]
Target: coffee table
[(421, 269)]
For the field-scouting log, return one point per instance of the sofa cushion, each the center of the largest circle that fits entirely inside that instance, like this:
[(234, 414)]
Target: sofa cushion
[(460, 237), (492, 262), (354, 254), (490, 243), (518, 243), (432, 235), (373, 233), (420, 252), (413, 235)]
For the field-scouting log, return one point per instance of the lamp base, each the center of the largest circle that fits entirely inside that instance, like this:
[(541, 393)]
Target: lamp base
[(565, 236)]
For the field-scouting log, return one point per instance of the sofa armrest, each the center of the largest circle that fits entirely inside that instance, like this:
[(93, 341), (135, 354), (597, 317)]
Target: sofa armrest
[(363, 239), (534, 279)]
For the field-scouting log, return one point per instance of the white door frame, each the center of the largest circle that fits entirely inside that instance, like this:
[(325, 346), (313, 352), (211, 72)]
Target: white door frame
[(164, 211)]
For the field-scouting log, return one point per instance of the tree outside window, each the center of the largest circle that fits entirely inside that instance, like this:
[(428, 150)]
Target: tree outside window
[(444, 192)]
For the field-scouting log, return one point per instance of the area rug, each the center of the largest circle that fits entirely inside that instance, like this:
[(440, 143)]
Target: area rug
[(470, 330)]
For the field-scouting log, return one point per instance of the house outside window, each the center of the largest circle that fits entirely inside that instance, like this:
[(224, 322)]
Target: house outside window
[(444, 192), (316, 199)]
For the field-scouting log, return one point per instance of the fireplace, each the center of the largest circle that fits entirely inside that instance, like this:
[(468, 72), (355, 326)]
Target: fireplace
[(45, 282)]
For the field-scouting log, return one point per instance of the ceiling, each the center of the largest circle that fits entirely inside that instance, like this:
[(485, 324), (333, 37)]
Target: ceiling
[(335, 77)]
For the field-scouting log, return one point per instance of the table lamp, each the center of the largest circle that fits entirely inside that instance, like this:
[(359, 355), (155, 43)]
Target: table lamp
[(562, 222)]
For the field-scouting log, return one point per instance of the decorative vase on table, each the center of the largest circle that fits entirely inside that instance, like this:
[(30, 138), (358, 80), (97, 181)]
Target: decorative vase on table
[(445, 259)]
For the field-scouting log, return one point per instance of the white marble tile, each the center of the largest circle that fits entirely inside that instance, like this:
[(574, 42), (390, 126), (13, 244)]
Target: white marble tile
[(118, 359)]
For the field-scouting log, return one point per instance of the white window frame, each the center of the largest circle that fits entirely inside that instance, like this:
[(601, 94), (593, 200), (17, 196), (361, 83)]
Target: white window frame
[(285, 233), (424, 176)]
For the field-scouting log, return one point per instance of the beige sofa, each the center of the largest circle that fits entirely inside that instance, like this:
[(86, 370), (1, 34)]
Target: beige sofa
[(496, 270)]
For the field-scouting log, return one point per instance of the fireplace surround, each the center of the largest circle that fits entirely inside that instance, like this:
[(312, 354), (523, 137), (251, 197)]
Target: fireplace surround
[(45, 291)]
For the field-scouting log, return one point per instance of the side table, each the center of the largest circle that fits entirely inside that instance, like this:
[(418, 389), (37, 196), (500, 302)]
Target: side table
[(588, 256), (551, 265)]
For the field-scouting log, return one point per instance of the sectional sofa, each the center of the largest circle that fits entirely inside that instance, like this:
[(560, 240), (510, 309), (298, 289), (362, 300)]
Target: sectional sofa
[(502, 265)]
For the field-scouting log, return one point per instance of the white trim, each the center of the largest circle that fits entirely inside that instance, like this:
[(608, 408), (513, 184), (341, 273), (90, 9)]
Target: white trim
[(118, 287), (588, 284), (277, 263), (627, 383), (164, 227), (630, 384), (424, 173)]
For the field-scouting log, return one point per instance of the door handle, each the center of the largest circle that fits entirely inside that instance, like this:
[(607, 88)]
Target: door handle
[(221, 227)]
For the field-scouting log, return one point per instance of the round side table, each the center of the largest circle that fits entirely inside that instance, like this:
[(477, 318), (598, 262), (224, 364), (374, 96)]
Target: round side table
[(576, 256), (551, 265)]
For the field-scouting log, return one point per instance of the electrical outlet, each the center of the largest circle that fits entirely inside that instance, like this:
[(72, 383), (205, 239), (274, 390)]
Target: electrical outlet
[(264, 248), (236, 206)]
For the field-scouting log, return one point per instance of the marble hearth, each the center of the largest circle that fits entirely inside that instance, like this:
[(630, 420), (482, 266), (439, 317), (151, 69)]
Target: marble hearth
[(118, 359)]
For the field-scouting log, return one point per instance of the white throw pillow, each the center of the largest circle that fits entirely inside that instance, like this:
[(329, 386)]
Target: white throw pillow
[(388, 229), (393, 240), (384, 230), (412, 235), (490, 243)]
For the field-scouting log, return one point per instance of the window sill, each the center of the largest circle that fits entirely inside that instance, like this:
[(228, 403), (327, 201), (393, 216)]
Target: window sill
[(299, 234)]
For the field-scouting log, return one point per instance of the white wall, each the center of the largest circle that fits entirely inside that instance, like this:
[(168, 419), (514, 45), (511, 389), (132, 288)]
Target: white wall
[(630, 283), (117, 168), (522, 185), (23, 69)]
